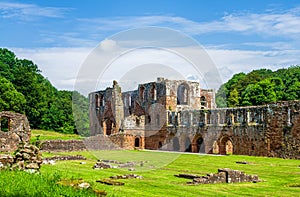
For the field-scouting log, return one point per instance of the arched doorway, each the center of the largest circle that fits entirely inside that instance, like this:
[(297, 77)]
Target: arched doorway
[(176, 145), (215, 148), (226, 146), (137, 142), (107, 127), (198, 145)]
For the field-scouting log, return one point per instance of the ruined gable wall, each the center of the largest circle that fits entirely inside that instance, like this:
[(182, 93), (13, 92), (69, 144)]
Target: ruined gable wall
[(106, 110), (18, 131), (173, 94)]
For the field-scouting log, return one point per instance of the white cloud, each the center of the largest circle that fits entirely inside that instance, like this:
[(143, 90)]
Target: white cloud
[(61, 65), (286, 23), (24, 11)]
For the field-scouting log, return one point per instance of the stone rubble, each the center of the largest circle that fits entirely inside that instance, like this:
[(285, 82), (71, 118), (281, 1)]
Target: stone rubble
[(224, 175), (51, 160), (127, 176), (104, 164), (26, 157)]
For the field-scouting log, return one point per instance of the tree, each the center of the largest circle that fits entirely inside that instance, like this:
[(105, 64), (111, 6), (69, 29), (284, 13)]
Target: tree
[(10, 98), (293, 91), (221, 97), (259, 93), (234, 98)]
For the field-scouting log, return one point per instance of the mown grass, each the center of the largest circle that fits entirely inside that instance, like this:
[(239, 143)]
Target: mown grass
[(19, 183), (280, 177), (51, 135)]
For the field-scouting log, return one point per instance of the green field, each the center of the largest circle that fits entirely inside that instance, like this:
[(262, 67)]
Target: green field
[(280, 177), (51, 135)]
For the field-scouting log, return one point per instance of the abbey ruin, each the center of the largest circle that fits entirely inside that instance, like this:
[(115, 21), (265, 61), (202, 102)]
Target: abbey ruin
[(177, 115)]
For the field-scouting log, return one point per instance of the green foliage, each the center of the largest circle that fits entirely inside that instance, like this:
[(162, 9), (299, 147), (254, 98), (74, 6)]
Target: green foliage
[(23, 89), (10, 98), (81, 114), (260, 87), (233, 99), (221, 96)]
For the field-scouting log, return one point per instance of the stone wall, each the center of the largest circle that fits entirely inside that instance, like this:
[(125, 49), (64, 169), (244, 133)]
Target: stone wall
[(269, 130), (16, 130), (224, 175), (63, 145), (112, 111)]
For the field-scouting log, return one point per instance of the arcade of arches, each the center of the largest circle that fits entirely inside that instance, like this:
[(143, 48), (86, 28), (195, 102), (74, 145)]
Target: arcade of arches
[(223, 145)]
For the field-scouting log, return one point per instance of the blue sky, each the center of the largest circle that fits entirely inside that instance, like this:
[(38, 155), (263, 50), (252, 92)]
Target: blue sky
[(238, 35)]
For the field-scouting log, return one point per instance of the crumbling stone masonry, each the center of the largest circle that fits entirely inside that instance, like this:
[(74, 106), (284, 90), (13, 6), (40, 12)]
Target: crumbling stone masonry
[(224, 175), (26, 157), (177, 115), (62, 145), (14, 128)]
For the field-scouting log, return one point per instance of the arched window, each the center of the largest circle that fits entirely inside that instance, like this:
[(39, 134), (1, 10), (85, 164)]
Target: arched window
[(182, 94), (137, 122), (200, 145), (142, 93), (153, 92), (97, 100), (101, 100), (203, 101)]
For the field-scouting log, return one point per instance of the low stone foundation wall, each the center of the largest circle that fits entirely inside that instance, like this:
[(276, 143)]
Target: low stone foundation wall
[(224, 175), (63, 145)]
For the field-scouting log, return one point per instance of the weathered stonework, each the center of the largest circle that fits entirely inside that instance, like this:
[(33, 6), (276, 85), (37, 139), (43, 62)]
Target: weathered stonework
[(225, 175), (63, 145), (16, 130), (26, 157), (177, 115)]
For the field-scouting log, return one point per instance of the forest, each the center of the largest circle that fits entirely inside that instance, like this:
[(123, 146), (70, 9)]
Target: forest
[(25, 90), (260, 87)]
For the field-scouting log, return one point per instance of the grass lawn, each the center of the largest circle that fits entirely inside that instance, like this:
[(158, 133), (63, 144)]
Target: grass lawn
[(281, 177), (51, 135)]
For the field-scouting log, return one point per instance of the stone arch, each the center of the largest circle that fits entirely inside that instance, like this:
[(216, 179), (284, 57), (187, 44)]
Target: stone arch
[(160, 144), (137, 142), (203, 102), (107, 127), (153, 92), (176, 145), (225, 145), (198, 145), (183, 94), (14, 129), (215, 148)]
